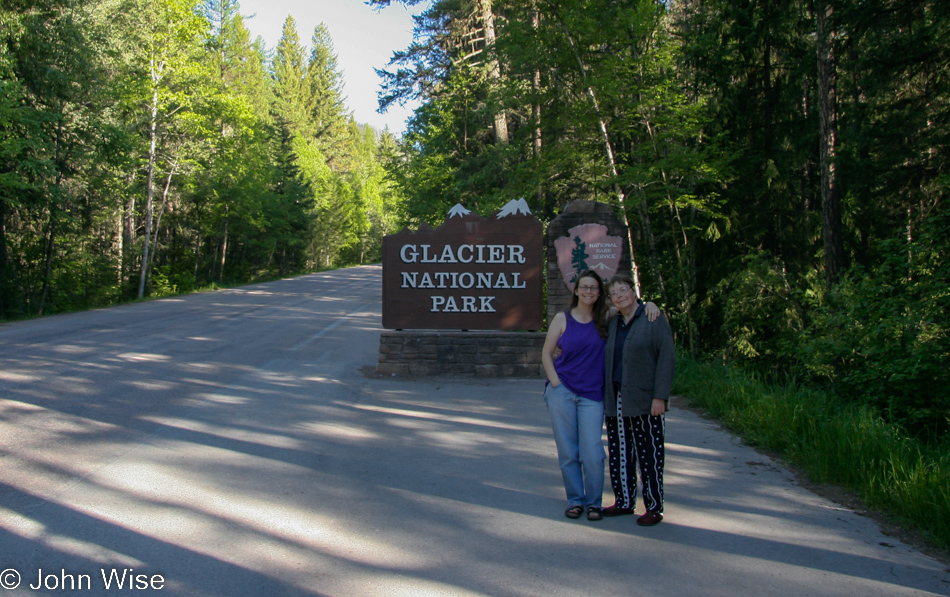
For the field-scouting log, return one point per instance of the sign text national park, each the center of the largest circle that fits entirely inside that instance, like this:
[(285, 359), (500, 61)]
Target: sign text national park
[(471, 273)]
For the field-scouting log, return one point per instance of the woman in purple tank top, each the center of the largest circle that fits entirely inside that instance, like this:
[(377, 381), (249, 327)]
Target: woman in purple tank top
[(574, 394)]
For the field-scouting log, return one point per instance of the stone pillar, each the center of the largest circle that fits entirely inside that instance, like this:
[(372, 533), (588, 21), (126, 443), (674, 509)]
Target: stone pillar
[(575, 214)]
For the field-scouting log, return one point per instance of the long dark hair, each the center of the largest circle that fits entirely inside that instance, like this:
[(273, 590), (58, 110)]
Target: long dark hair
[(600, 305)]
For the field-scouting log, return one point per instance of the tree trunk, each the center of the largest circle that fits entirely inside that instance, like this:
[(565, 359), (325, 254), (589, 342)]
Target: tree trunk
[(197, 255), (494, 73), (128, 237), (5, 276), (645, 213), (611, 160), (828, 119), (149, 191), (224, 243), (687, 265), (161, 210), (53, 210), (48, 269), (536, 109), (119, 246)]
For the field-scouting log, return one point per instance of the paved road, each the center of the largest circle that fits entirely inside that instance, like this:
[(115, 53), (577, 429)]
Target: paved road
[(228, 444)]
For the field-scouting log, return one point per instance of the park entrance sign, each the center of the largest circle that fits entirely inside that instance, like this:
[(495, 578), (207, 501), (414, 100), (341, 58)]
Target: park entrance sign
[(470, 273), (588, 247)]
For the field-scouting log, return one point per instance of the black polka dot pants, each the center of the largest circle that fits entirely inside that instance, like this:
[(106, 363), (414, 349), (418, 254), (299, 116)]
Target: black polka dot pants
[(637, 440)]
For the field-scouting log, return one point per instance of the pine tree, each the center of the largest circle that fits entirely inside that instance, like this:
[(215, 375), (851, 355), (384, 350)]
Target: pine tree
[(327, 114)]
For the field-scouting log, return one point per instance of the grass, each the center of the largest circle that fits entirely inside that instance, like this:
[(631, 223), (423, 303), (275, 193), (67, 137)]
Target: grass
[(831, 442)]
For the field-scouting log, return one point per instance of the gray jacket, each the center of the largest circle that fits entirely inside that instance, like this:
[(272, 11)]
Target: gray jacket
[(649, 360)]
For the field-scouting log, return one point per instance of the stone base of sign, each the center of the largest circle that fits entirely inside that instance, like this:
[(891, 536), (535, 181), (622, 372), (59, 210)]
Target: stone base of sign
[(470, 354)]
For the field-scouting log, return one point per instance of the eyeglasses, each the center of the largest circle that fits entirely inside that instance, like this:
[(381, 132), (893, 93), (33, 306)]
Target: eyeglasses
[(619, 291), (590, 288)]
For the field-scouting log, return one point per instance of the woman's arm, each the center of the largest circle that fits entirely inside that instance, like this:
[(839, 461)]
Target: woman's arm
[(550, 344), (665, 354), (649, 309)]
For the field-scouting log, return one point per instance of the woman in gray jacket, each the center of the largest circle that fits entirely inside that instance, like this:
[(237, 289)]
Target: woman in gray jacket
[(639, 361)]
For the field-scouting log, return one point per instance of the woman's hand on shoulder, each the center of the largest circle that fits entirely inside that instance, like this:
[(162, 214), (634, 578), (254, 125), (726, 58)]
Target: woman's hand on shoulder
[(651, 311)]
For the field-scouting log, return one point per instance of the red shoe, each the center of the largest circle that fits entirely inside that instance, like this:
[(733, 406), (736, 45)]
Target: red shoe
[(615, 511), (649, 519)]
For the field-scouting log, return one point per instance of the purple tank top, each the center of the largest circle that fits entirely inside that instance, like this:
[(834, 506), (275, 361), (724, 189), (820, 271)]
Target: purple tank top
[(580, 366)]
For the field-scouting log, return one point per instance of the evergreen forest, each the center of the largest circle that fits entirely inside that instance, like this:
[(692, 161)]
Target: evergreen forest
[(150, 147), (782, 166)]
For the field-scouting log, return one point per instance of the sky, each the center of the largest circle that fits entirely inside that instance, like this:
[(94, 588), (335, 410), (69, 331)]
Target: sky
[(364, 38)]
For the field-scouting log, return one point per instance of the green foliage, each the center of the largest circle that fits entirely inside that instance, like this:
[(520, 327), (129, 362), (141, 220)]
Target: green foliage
[(832, 442), (326, 113), (880, 340), (762, 312), (424, 170), (122, 112), (755, 273), (883, 337), (289, 70), (50, 131), (20, 138)]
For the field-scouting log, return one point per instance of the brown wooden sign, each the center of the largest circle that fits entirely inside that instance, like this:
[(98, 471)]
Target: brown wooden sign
[(471, 273)]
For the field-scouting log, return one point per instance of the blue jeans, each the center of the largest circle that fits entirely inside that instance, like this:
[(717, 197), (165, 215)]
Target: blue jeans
[(578, 424)]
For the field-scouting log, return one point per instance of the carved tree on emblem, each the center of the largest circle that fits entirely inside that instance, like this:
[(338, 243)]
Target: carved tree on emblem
[(579, 257)]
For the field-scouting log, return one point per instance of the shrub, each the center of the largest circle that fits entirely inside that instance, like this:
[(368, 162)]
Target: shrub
[(883, 336)]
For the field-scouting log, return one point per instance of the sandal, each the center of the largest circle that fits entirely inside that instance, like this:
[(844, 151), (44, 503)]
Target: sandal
[(574, 511), (594, 513)]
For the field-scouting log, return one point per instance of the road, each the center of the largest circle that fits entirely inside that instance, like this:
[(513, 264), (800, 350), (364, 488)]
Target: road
[(230, 444)]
